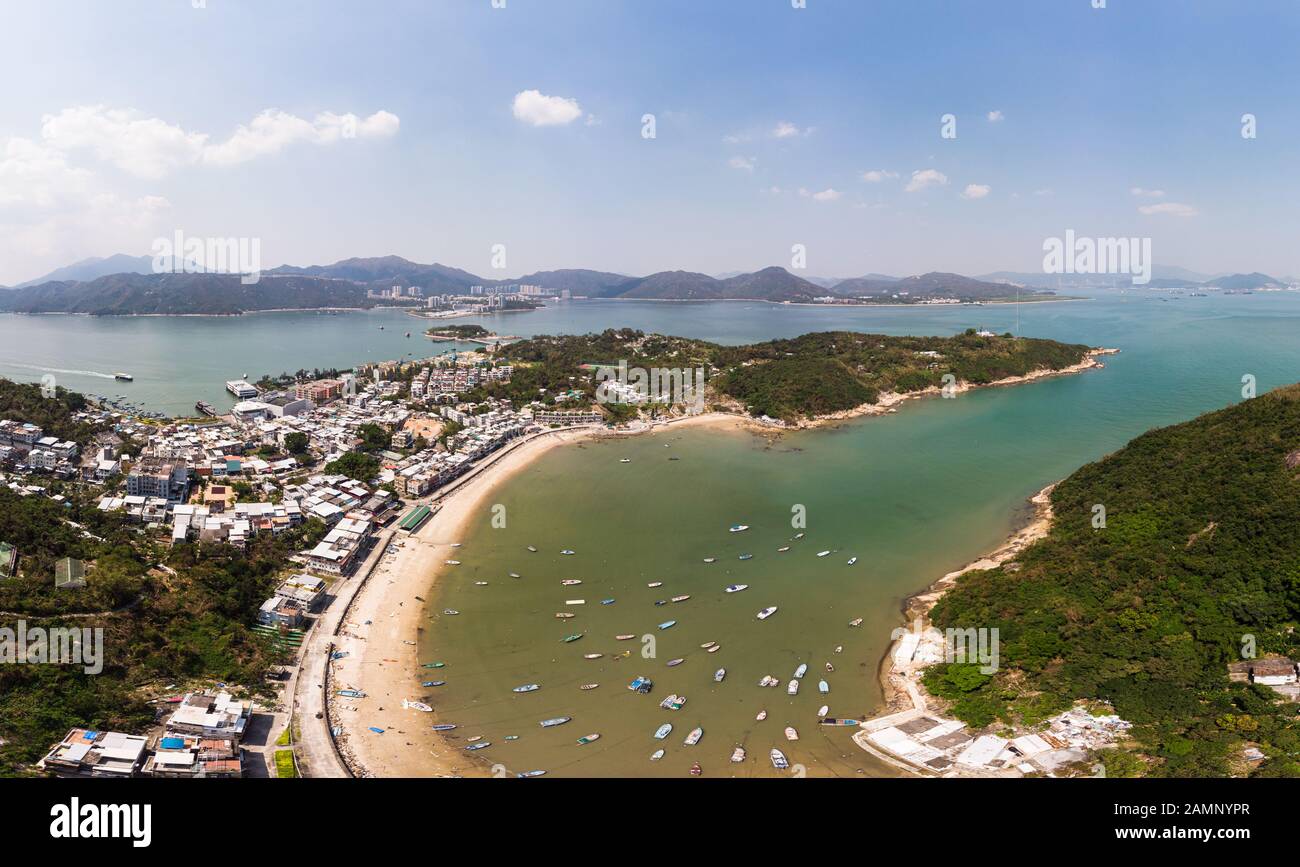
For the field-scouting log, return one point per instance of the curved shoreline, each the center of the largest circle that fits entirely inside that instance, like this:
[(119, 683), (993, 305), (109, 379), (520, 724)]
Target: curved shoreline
[(383, 662)]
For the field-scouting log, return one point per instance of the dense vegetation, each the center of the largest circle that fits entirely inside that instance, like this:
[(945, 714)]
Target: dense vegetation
[(812, 375), (1199, 559), (23, 401)]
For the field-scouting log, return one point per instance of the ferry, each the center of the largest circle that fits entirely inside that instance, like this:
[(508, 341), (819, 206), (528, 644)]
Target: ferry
[(656, 755), (719, 675), (792, 688), (557, 721), (738, 755), (694, 737), (586, 739), (766, 613), (736, 588), (528, 687), (801, 670), (738, 528), (823, 687), (641, 684), (791, 734), (668, 624), (663, 731), (778, 760), (123, 377)]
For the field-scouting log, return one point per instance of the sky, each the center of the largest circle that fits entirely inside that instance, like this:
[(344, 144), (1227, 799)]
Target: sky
[(475, 136)]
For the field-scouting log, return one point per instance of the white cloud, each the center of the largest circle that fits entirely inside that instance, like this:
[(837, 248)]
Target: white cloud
[(536, 108), (32, 174), (827, 195), (743, 163), (1147, 194), (785, 129), (875, 176), (995, 116), (1172, 209), (1045, 191), (150, 147), (923, 178), (976, 191)]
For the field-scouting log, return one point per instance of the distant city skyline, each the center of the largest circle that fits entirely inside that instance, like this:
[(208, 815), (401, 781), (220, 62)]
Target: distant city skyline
[(637, 138)]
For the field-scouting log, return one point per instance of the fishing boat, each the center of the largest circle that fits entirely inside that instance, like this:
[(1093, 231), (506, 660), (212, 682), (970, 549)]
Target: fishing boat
[(783, 550), (655, 584), (823, 687), (710, 559), (376, 730), (719, 675), (589, 686), (761, 715), (434, 665), (627, 636), (673, 663), (680, 598), (801, 670), (792, 688), (586, 739), (417, 705), (823, 710), (822, 553), (568, 553), (852, 560), (736, 588), (532, 549), (528, 687), (857, 621), (434, 683), (565, 615), (592, 655), (450, 612), (641, 684), (570, 582), (527, 774), (557, 721), (694, 737), (791, 734), (668, 624), (673, 702), (738, 528), (738, 755), (663, 731), (445, 727), (778, 760), (745, 557), (607, 602), (656, 755), (481, 746), (569, 638), (766, 613)]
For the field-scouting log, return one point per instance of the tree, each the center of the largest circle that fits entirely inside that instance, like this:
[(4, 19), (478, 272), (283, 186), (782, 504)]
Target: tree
[(296, 443), (355, 465)]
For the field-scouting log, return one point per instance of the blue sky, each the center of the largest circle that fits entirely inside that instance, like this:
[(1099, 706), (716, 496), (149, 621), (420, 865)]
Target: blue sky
[(122, 123)]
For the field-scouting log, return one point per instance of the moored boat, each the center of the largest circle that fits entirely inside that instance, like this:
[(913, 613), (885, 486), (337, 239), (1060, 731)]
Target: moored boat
[(528, 687), (656, 755), (641, 684), (479, 746), (736, 588), (852, 560), (444, 727), (792, 688), (783, 549), (673, 663), (738, 755), (589, 686), (738, 528), (565, 615), (791, 734), (568, 638), (706, 645), (668, 624), (586, 739), (779, 760), (527, 774), (823, 687), (710, 559), (680, 598), (719, 675), (767, 612), (823, 710), (673, 702), (663, 731), (568, 553), (557, 721), (592, 655), (857, 621), (822, 553), (655, 584), (694, 737), (626, 636), (745, 557), (832, 721), (801, 670), (450, 612), (760, 716), (569, 582)]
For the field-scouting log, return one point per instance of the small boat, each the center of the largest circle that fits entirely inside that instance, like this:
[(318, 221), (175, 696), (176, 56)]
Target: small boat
[(570, 582), (706, 645), (607, 602), (565, 615), (673, 663), (589, 686), (569, 638), (514, 574), (696, 770), (450, 612), (575, 601), (823, 710), (857, 621), (586, 739), (761, 715), (351, 693), (738, 528), (719, 675), (655, 584), (801, 670), (663, 731), (480, 584), (625, 460), (434, 683), (694, 737), (791, 734), (641, 684), (568, 553), (766, 613), (668, 624), (511, 738), (822, 553), (377, 730), (798, 535), (445, 727), (592, 655), (768, 680), (829, 667), (123, 377), (417, 705), (736, 588), (738, 755), (680, 598), (792, 688), (852, 560), (673, 702), (434, 665), (475, 739), (659, 602), (482, 746), (783, 550), (823, 687), (528, 687), (839, 648), (714, 649), (710, 559), (452, 562), (832, 721), (455, 544), (557, 721), (745, 557), (778, 760), (532, 549), (527, 774), (627, 636)]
